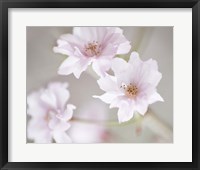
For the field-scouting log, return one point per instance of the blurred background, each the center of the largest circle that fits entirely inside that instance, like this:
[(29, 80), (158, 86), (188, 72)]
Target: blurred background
[(150, 42)]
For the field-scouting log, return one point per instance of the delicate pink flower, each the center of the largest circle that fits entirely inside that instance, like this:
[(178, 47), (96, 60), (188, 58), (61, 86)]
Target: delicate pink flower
[(96, 45), (89, 128), (49, 113), (132, 88)]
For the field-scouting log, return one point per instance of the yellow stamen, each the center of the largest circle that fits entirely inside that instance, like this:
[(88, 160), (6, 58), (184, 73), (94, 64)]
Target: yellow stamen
[(93, 49), (130, 90)]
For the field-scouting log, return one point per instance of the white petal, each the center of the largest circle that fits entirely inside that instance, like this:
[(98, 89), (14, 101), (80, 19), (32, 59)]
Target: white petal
[(108, 83), (63, 48), (154, 98), (109, 51), (144, 72), (136, 71), (106, 97), (86, 33), (67, 115), (58, 124), (101, 66), (43, 136), (117, 101), (119, 65), (115, 38), (141, 106), (101, 33), (61, 137), (154, 78), (53, 122), (152, 64), (82, 32), (62, 126), (36, 107), (61, 93), (67, 43), (78, 53), (118, 30), (38, 131), (81, 66), (49, 98), (145, 90), (124, 48), (134, 58), (125, 112), (67, 66), (74, 65), (147, 75), (124, 78), (73, 40), (150, 72)]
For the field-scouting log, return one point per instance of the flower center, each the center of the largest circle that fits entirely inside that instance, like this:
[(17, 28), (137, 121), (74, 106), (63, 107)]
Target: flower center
[(49, 115), (93, 49), (130, 90)]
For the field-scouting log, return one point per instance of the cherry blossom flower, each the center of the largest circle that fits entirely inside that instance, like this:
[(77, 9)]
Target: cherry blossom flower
[(88, 127), (133, 86), (90, 45), (50, 114)]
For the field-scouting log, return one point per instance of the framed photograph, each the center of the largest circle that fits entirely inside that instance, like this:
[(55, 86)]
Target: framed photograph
[(99, 84)]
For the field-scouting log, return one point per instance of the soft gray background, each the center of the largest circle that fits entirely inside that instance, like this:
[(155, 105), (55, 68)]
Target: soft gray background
[(150, 42)]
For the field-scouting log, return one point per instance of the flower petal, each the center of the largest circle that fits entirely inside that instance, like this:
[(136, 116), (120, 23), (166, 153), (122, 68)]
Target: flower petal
[(108, 83), (36, 108), (81, 66), (67, 115), (124, 48), (144, 72), (67, 66), (61, 137), (141, 106), (154, 98), (106, 97), (62, 126), (73, 40), (74, 65), (119, 65), (125, 112), (61, 93), (49, 98), (38, 131), (63, 47), (67, 43), (101, 66), (43, 136), (134, 58), (108, 52), (56, 123), (154, 78), (117, 101), (114, 36), (91, 33)]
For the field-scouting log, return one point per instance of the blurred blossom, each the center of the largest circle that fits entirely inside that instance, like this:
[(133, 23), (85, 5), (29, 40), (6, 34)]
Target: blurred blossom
[(133, 86), (96, 45), (50, 114), (89, 128)]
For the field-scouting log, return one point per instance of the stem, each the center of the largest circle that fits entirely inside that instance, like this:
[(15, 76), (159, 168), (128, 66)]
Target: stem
[(108, 122), (149, 121)]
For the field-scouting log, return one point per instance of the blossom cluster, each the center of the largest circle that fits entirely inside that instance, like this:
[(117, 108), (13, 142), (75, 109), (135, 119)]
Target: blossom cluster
[(129, 86)]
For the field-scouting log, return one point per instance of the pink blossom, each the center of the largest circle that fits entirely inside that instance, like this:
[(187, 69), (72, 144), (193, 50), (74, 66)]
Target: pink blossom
[(50, 114), (90, 45), (133, 86)]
